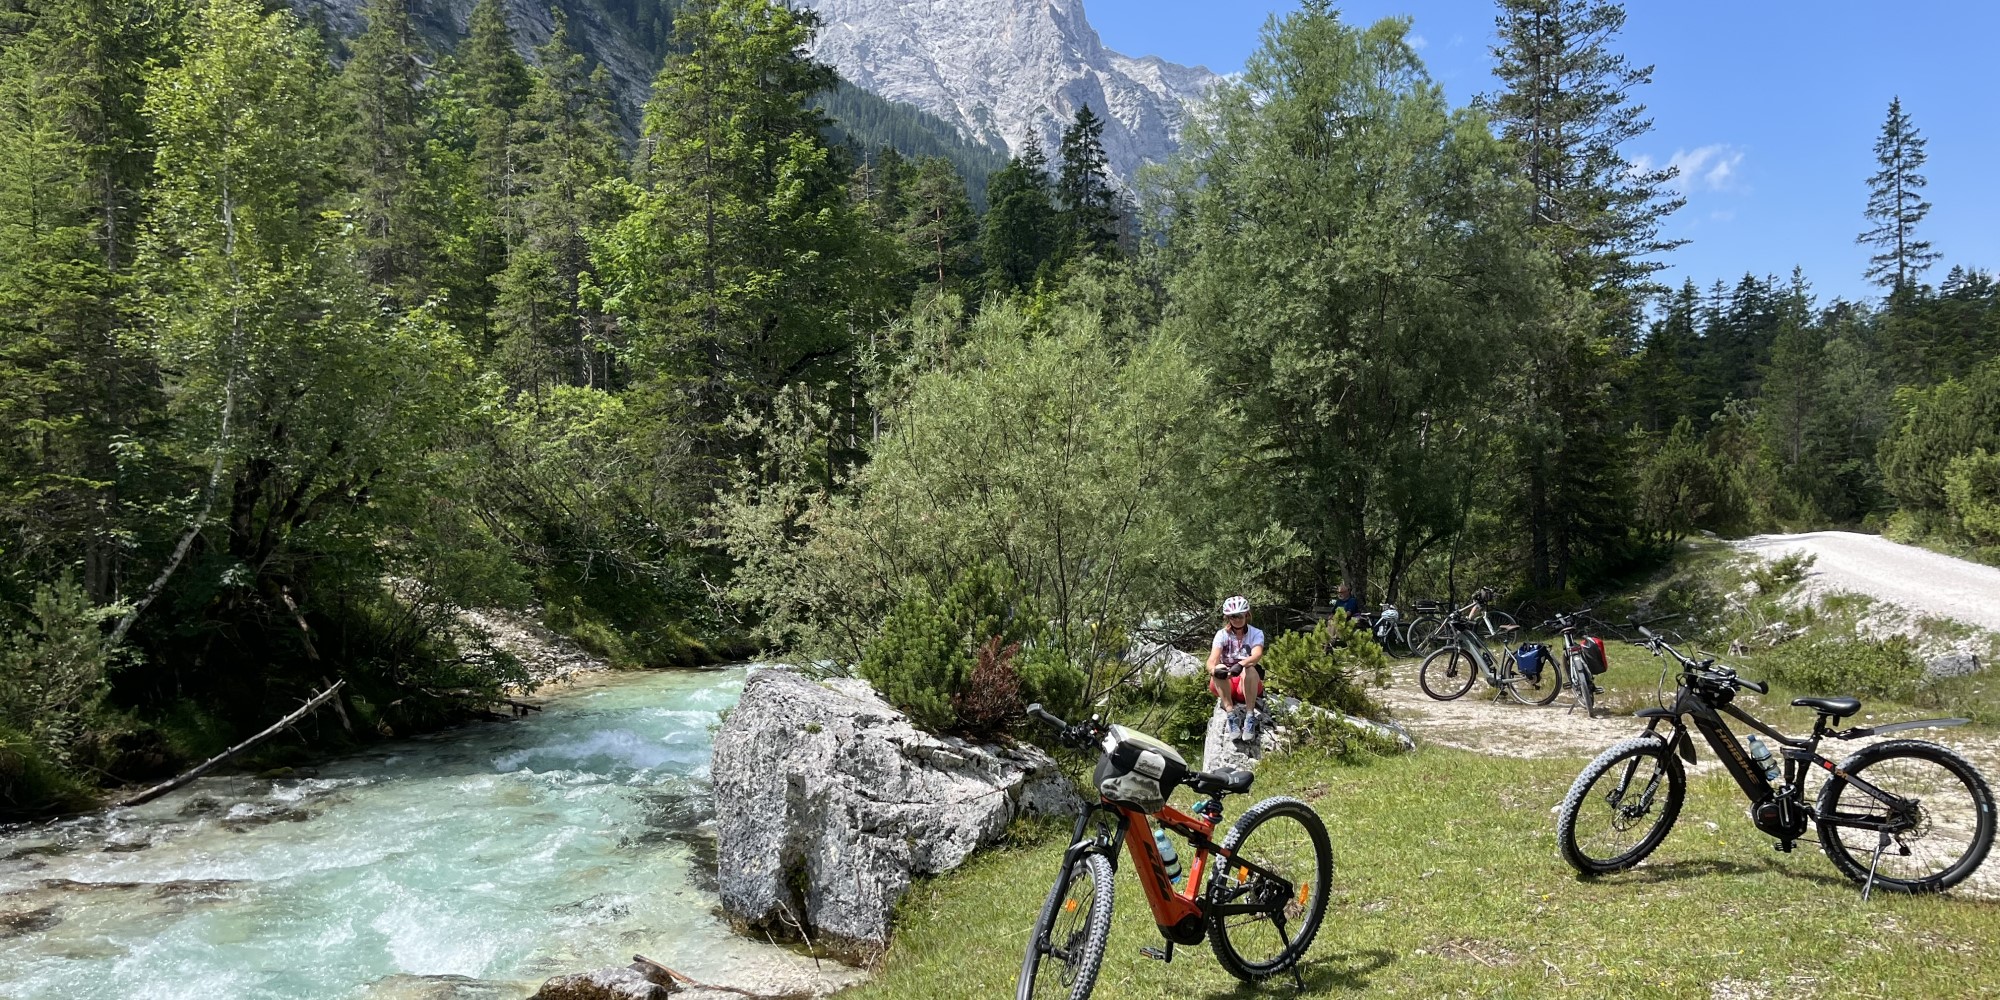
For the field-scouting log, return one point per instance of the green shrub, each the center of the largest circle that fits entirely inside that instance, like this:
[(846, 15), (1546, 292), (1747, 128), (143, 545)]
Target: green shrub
[(1972, 491), (1783, 573), (918, 662), (1843, 665), (1328, 666), (924, 658), (52, 670)]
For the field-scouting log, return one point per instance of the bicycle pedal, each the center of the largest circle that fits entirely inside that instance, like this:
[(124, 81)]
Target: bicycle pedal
[(1159, 955)]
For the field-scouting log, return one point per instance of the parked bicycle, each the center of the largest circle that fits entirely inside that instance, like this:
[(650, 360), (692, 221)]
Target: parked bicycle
[(1583, 659), (1448, 673), (1265, 889), (1913, 806)]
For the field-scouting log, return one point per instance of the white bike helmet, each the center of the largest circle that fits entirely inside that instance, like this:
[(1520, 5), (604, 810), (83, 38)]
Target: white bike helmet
[(1238, 605)]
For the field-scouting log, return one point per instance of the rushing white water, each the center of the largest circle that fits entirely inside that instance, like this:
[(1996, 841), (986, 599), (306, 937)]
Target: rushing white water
[(472, 864)]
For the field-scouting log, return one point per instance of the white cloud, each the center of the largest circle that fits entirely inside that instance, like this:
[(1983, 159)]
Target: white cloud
[(1419, 42), (1707, 168), (1724, 215)]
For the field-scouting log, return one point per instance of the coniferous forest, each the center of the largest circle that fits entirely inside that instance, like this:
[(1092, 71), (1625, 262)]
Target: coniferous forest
[(308, 343)]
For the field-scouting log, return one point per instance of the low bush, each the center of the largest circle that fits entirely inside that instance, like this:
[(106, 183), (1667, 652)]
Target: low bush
[(1778, 575), (1848, 665), (1329, 666)]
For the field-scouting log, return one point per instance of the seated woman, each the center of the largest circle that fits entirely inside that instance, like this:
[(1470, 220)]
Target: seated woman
[(1232, 669)]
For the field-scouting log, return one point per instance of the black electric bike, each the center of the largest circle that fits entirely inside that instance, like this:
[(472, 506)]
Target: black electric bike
[(1908, 815)]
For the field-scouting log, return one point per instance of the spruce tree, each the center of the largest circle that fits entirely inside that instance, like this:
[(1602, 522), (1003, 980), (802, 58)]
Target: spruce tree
[(1018, 237), (1088, 202), (74, 154), (387, 155), (1896, 205), (938, 226), (1566, 111), (742, 262), (566, 148)]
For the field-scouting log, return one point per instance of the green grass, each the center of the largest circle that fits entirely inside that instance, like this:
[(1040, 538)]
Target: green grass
[(1448, 885)]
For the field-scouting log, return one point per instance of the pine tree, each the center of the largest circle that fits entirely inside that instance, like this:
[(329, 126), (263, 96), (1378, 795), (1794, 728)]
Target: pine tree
[(1565, 109), (478, 179), (1896, 205), (1088, 202), (1018, 237), (387, 156)]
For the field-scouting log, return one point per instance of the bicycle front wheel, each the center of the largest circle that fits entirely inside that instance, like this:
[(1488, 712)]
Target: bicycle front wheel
[(1583, 686), (1621, 806), (1067, 947), (1425, 635), (1287, 840), (1936, 830), (1447, 673)]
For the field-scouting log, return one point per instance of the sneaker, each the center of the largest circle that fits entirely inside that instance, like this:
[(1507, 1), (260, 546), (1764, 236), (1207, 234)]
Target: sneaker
[(1233, 725), (1252, 726)]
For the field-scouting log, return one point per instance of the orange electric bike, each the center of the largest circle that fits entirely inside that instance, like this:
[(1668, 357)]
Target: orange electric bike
[(1258, 896)]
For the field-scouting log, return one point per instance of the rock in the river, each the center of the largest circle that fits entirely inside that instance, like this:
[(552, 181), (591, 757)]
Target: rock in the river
[(828, 801), (603, 984)]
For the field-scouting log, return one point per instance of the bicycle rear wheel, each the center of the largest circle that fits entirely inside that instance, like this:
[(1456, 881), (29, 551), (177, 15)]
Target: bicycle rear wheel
[(1937, 834), (1621, 806), (1067, 946), (1286, 839), (1447, 673), (1539, 690)]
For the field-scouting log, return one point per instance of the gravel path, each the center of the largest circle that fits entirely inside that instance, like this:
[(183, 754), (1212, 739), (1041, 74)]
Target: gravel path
[(1917, 579)]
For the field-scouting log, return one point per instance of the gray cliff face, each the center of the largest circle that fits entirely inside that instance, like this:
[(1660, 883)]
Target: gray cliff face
[(1003, 69), (443, 24)]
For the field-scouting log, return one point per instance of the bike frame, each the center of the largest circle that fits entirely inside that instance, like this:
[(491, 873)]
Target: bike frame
[(1181, 914), (1798, 755)]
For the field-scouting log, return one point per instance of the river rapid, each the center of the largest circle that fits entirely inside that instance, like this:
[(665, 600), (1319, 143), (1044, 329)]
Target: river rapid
[(472, 864)]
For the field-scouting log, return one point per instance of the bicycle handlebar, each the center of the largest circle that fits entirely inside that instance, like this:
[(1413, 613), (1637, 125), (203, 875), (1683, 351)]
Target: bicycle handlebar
[(1083, 735), (1704, 669)]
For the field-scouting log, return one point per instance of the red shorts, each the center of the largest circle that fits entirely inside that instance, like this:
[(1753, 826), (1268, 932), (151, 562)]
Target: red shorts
[(1235, 687)]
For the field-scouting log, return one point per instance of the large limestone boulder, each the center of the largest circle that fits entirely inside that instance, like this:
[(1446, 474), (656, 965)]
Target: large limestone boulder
[(1220, 753), (828, 801)]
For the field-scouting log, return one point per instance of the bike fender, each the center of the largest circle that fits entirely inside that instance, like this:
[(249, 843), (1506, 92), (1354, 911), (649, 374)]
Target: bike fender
[(1897, 727)]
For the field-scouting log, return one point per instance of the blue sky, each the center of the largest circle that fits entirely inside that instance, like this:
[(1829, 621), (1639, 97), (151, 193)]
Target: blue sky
[(1775, 106)]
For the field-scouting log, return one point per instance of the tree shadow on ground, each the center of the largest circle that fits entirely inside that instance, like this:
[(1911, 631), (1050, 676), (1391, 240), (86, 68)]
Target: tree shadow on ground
[(1346, 971)]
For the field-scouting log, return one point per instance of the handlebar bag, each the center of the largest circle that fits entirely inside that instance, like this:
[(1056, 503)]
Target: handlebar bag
[(1138, 770), (1529, 658), (1591, 649)]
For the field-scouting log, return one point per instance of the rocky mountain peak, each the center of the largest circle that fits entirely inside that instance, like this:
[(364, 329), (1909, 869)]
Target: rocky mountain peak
[(1001, 70)]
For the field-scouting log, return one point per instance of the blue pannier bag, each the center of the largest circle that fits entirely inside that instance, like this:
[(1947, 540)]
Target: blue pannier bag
[(1529, 658)]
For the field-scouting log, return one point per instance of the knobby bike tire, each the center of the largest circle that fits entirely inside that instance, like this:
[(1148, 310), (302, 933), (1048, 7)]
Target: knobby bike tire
[(1955, 818), (1447, 673), (1071, 976), (1284, 854), (1642, 764)]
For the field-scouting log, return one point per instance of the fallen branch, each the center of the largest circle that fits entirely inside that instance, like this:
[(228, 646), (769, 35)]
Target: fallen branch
[(210, 764), (685, 980)]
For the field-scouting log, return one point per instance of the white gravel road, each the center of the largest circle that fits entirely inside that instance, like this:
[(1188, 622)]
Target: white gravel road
[(1917, 579)]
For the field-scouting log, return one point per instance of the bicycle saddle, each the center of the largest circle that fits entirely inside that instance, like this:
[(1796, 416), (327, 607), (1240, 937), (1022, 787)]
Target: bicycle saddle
[(1839, 708), (1220, 782)]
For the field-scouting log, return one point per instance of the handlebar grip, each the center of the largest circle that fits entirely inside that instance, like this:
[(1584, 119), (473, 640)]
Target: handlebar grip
[(1648, 633), (1035, 711), (1757, 686)]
